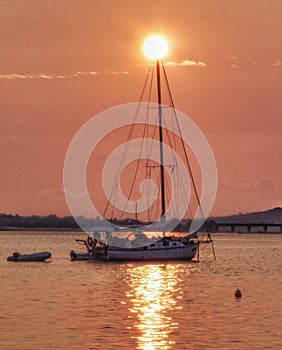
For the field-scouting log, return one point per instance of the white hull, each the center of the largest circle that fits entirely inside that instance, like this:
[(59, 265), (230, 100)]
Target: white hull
[(187, 252)]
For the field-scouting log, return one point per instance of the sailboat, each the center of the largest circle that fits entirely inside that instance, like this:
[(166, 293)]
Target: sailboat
[(152, 240)]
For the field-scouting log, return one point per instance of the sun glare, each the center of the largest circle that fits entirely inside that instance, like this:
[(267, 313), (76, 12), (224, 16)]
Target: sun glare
[(155, 47)]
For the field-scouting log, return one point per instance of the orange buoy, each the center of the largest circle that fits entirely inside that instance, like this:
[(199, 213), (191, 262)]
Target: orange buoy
[(238, 293)]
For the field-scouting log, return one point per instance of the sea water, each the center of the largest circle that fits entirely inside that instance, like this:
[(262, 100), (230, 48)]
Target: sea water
[(178, 305)]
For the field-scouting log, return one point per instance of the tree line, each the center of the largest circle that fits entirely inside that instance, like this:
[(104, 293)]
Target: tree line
[(68, 222), (36, 221)]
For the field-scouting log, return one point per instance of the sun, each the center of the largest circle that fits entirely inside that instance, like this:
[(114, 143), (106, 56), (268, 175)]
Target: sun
[(155, 47)]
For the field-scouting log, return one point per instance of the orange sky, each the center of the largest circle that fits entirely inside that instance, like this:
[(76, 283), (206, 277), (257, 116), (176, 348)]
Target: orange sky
[(63, 61)]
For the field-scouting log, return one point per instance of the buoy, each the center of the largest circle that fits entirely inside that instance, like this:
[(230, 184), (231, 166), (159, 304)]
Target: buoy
[(238, 293)]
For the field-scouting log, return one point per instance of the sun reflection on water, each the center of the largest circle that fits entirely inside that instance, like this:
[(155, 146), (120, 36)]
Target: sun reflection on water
[(154, 294)]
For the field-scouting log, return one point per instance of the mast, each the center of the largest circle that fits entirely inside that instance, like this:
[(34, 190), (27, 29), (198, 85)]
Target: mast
[(161, 140)]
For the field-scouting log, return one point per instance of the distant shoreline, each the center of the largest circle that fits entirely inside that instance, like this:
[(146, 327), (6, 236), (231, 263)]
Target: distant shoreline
[(52, 223), (269, 221), (46, 229), (78, 230)]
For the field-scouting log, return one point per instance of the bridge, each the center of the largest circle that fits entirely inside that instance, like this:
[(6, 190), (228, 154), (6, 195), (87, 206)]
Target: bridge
[(260, 228)]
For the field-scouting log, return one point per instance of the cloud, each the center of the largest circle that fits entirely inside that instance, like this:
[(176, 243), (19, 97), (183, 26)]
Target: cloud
[(52, 193), (92, 73), (256, 63), (78, 73), (13, 76), (182, 63), (189, 63), (235, 66), (277, 63), (116, 72)]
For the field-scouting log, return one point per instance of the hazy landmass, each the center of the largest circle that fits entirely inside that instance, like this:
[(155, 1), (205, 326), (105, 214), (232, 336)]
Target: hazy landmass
[(271, 216)]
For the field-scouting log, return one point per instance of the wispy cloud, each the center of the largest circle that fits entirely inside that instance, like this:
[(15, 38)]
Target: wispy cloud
[(234, 63), (116, 72), (52, 192), (13, 76), (256, 63), (233, 59), (183, 63), (234, 66), (277, 63), (79, 73), (92, 73)]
